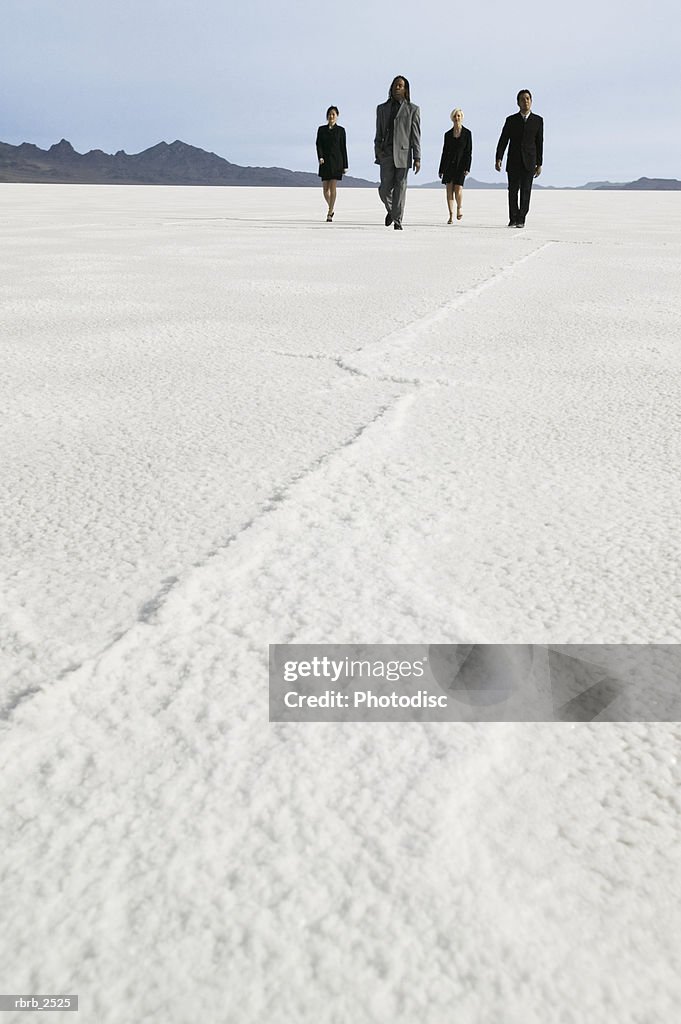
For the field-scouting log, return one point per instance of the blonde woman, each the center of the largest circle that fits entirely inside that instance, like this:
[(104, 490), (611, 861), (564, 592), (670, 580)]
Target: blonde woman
[(455, 162)]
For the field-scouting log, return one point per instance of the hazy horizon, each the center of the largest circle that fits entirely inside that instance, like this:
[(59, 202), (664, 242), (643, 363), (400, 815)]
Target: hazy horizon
[(417, 183)]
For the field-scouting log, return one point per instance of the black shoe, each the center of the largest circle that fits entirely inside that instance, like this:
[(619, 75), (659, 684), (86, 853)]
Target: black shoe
[(512, 224), (397, 226), (519, 224), (388, 219)]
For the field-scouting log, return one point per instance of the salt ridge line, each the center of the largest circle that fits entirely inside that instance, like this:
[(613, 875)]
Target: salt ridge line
[(400, 337), (403, 336), (416, 382), (150, 608)]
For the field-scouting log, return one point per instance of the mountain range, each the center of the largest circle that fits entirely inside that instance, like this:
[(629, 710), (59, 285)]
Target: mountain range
[(640, 185), (182, 164), (163, 164)]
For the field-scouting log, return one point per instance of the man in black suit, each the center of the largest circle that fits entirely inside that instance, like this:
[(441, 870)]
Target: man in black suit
[(523, 133)]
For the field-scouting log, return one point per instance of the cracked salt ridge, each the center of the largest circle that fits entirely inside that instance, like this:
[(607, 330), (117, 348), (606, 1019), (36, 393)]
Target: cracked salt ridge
[(402, 336), (418, 382), (203, 587), (149, 610), (354, 372)]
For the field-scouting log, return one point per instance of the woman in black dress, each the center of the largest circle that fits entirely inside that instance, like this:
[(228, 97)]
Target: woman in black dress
[(333, 157), (455, 162)]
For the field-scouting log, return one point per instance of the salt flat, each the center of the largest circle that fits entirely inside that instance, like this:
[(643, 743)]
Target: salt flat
[(227, 423)]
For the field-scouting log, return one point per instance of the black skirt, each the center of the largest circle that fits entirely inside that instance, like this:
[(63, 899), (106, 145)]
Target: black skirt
[(454, 177), (329, 173)]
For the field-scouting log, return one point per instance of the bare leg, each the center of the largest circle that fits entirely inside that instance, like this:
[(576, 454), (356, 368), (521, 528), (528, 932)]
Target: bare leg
[(326, 186), (458, 192), (450, 201), (332, 196)]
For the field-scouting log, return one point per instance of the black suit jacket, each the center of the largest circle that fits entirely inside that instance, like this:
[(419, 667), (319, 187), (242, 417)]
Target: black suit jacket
[(525, 141), (464, 152)]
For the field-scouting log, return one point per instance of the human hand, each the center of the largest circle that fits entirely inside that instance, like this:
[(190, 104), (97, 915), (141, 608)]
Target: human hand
[(498, 165), (537, 171), (417, 166)]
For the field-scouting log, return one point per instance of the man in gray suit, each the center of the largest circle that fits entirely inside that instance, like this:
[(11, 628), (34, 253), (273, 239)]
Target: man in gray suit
[(396, 147)]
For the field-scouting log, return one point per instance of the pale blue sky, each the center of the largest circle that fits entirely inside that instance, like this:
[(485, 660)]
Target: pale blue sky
[(252, 82)]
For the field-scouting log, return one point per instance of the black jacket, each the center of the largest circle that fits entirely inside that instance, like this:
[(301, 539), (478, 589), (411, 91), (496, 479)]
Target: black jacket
[(525, 141), (456, 158), (332, 147)]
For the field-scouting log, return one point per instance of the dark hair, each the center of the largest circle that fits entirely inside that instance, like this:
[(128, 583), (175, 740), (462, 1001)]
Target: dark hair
[(522, 93), (406, 88), (332, 108)]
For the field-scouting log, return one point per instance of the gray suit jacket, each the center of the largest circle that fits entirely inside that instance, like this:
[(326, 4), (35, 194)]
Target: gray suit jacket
[(406, 145)]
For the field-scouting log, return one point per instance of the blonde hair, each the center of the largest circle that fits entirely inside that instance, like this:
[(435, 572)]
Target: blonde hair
[(457, 110)]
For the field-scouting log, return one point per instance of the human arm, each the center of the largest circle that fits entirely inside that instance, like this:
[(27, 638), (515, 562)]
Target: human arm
[(379, 136), (320, 151), (416, 138), (443, 158), (344, 149), (502, 143), (540, 147)]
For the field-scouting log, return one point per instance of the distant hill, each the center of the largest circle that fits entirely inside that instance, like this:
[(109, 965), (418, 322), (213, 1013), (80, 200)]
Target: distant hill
[(472, 183), (182, 164), (601, 184), (163, 164), (640, 185)]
